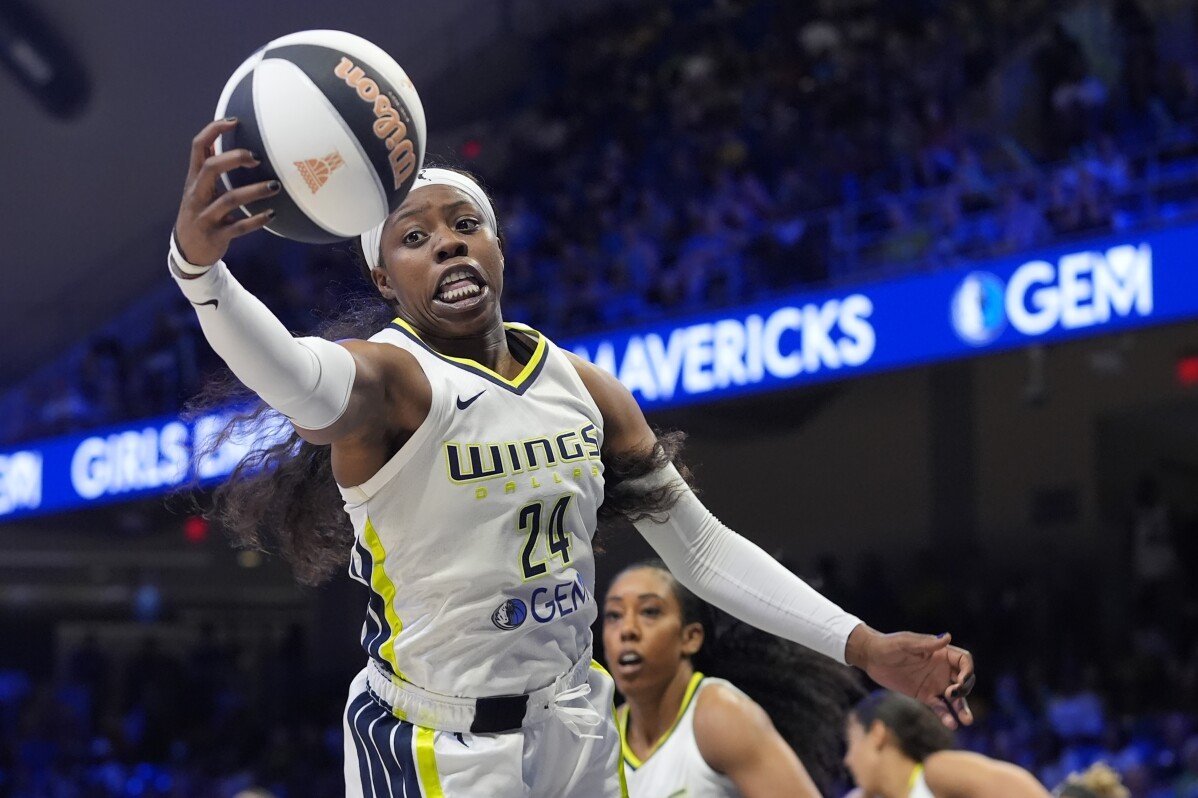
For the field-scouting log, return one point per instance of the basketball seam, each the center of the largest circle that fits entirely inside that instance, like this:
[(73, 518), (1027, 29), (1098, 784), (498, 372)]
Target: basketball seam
[(245, 69), (378, 184), (368, 51)]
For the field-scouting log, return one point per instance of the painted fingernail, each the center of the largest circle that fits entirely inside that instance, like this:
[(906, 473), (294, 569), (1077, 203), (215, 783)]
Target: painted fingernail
[(273, 185), (270, 214), (230, 119), (253, 155), (942, 634)]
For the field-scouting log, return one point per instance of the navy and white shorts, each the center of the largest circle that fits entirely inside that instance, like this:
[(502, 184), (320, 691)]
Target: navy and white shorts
[(386, 756)]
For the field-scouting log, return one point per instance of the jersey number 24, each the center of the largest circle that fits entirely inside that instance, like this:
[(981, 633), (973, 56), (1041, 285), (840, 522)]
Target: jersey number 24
[(557, 537)]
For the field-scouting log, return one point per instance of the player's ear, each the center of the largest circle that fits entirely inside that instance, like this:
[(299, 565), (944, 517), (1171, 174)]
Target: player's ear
[(383, 283), (692, 639), (877, 734)]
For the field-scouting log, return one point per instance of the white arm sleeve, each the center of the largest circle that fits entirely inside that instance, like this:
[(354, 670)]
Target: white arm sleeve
[(306, 379), (723, 568)]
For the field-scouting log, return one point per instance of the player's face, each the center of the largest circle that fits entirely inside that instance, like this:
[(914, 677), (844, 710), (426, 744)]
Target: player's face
[(861, 754), (442, 264), (644, 638)]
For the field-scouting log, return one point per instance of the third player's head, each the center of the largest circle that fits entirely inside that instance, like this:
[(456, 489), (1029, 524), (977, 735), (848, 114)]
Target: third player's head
[(652, 627), (888, 732), (437, 258)]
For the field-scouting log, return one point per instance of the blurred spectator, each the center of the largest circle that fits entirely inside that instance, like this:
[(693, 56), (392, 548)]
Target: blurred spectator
[(1098, 781), (1154, 555)]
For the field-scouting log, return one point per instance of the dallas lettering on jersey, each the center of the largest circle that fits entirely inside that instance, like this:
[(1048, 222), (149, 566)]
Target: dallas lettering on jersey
[(712, 356), (476, 462)]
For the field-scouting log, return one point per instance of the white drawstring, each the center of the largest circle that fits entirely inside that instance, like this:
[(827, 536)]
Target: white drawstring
[(575, 718)]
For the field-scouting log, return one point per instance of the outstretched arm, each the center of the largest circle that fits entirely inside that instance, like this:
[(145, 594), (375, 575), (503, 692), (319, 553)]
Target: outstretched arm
[(736, 575), (329, 391), (736, 738)]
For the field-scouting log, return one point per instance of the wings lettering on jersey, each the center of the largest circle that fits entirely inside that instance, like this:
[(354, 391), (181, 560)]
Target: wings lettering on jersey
[(474, 462), (474, 454)]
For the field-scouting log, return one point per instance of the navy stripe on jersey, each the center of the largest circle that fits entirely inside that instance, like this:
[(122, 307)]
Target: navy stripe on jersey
[(393, 739), (375, 629), (402, 745), (487, 375), (383, 742), (356, 708), (373, 725)]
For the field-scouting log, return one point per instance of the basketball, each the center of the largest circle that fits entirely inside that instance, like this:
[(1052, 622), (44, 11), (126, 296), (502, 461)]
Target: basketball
[(336, 121)]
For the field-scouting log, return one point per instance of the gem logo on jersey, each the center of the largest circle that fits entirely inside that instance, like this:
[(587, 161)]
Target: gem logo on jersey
[(978, 315), (509, 614)]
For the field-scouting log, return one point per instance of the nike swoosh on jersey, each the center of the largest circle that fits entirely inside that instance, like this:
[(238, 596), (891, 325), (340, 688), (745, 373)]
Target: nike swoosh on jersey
[(215, 303), (463, 404)]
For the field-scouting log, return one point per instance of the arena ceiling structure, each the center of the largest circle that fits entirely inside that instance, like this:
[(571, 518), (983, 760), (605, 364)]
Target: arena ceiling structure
[(92, 179)]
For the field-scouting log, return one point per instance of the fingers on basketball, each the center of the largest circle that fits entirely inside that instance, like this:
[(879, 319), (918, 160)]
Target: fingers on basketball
[(249, 224), (203, 146)]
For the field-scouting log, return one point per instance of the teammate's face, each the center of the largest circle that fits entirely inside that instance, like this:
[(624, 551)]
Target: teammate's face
[(863, 747), (442, 264), (644, 638)]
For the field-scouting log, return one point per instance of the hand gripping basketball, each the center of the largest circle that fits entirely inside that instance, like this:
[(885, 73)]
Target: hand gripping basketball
[(208, 218)]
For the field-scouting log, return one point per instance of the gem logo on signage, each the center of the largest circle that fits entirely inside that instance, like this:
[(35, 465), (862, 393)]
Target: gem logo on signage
[(1083, 289)]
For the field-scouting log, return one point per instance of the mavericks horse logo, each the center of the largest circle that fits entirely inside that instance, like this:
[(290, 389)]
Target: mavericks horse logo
[(978, 310), (509, 614)]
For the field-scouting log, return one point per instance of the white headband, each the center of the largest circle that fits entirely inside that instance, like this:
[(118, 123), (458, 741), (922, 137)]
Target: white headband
[(372, 239)]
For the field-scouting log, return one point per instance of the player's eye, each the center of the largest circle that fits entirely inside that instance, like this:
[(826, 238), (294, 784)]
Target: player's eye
[(467, 224), (611, 616), (652, 612), (413, 237)]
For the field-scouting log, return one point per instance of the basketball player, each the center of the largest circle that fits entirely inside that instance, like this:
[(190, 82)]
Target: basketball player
[(898, 749), (471, 457), (684, 733)]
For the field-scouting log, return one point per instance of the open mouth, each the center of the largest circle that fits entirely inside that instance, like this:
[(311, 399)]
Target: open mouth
[(630, 659), (459, 285)]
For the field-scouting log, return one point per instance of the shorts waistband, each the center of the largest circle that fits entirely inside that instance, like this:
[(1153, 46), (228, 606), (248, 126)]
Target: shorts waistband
[(489, 715)]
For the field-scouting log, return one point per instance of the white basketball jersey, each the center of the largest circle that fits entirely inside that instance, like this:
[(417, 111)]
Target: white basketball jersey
[(475, 538), (674, 767), (919, 785)]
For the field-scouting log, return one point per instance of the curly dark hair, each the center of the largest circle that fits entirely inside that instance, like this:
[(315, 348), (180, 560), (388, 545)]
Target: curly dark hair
[(805, 694), (917, 730), (281, 498)]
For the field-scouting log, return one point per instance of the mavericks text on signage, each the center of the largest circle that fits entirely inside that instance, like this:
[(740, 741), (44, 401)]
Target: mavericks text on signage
[(760, 347)]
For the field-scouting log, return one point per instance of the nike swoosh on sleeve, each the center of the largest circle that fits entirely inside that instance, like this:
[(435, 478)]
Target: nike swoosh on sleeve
[(215, 303)]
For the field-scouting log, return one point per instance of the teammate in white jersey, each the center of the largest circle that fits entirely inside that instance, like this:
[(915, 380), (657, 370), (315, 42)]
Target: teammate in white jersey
[(472, 457), (896, 748), (685, 733)]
